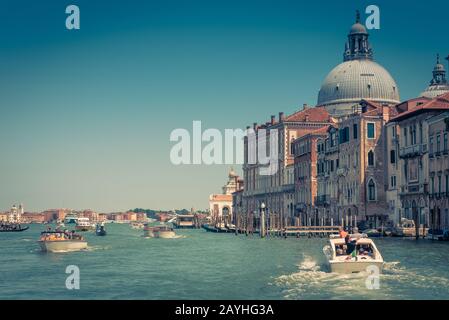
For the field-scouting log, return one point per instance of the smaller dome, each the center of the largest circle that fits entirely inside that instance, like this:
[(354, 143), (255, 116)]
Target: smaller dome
[(358, 28)]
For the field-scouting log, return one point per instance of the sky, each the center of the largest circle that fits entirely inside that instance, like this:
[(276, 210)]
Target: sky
[(86, 115)]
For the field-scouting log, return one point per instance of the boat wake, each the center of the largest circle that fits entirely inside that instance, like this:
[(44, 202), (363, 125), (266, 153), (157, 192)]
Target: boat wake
[(313, 281)]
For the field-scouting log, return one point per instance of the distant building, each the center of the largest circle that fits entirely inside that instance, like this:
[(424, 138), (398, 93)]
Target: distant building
[(15, 214), (220, 205), (55, 214)]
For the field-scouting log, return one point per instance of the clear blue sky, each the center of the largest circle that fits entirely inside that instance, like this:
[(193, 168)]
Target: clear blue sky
[(85, 116)]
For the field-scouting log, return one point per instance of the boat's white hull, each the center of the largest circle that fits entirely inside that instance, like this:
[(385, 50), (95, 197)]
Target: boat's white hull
[(63, 246), (355, 266), (165, 234)]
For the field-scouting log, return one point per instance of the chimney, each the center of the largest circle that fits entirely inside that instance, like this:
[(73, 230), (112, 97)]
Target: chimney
[(254, 125), (305, 106), (386, 113), (273, 119), (306, 117), (281, 116)]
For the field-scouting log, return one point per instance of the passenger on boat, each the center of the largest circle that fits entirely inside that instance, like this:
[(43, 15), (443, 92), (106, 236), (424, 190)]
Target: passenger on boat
[(342, 233), (340, 250)]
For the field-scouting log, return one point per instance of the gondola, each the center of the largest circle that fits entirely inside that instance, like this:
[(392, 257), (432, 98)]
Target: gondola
[(9, 229)]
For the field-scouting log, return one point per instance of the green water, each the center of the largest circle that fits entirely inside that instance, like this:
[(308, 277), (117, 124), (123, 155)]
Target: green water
[(202, 265)]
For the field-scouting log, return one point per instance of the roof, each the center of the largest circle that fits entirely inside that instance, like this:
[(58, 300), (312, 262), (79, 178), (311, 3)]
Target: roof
[(417, 106), (221, 197), (310, 114), (354, 80)]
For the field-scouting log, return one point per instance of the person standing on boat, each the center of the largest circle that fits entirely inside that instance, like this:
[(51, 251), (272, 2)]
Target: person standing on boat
[(350, 245)]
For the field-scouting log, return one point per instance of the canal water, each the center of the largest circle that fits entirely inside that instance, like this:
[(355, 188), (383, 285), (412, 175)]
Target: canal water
[(202, 265)]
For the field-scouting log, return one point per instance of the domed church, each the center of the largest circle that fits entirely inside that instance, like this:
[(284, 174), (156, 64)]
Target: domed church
[(357, 78), (438, 84)]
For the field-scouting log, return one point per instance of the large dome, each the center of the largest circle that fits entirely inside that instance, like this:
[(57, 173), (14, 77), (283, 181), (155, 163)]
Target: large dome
[(353, 80), (357, 78)]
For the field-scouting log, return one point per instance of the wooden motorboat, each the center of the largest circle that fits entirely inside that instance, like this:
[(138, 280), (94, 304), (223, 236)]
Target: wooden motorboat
[(61, 241), (363, 256)]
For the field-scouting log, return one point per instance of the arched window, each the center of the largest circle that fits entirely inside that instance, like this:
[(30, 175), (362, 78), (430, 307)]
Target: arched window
[(371, 190), (371, 158)]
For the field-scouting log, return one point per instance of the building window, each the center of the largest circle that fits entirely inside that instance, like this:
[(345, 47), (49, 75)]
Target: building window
[(445, 142), (392, 156), (370, 130), (405, 136), (420, 133), (431, 145), (355, 131), (413, 134), (438, 143), (447, 183), (344, 135), (371, 158), (432, 182), (371, 190), (439, 184), (393, 181)]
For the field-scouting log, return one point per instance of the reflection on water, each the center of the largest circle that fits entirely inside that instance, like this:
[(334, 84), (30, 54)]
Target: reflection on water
[(203, 265)]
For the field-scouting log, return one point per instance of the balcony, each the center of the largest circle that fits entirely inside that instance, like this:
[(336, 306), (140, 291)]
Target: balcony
[(412, 151)]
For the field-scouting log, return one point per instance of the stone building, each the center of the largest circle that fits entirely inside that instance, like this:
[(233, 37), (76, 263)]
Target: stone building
[(221, 205), (438, 129), (351, 175), (415, 180), (305, 177), (276, 190)]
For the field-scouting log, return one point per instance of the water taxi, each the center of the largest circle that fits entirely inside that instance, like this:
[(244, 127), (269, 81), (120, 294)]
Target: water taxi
[(83, 224), (364, 255), (61, 241), (137, 225), (164, 232)]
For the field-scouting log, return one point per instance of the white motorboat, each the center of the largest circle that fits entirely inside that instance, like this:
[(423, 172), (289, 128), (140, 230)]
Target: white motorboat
[(160, 231), (59, 241), (364, 255)]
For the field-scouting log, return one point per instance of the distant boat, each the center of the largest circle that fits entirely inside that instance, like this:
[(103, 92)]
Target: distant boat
[(100, 230), (71, 218), (164, 232), (137, 225), (84, 224), (13, 228)]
